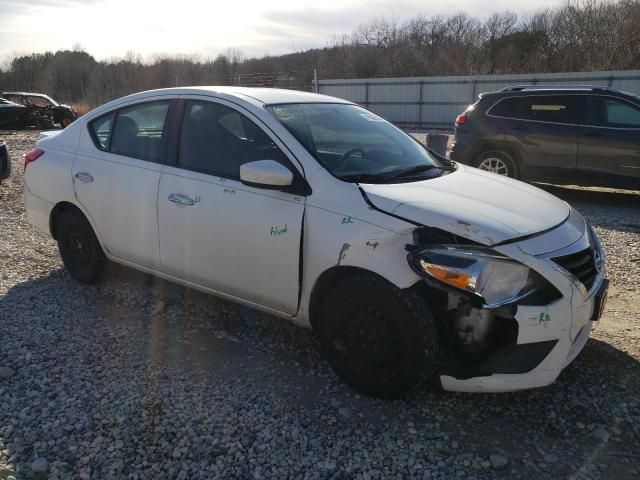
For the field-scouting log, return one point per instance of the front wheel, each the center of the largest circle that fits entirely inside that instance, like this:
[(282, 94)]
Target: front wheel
[(379, 339), (497, 162), (79, 248)]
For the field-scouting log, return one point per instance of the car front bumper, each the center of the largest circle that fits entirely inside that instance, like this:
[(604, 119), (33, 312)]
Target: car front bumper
[(567, 321)]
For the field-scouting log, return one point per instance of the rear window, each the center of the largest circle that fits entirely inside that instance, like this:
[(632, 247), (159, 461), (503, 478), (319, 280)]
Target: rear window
[(548, 108), (101, 131), (135, 131)]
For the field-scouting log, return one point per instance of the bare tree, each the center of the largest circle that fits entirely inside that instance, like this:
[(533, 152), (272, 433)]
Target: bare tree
[(578, 35)]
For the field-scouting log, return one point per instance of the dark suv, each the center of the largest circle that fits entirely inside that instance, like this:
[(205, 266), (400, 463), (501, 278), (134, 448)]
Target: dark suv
[(567, 135)]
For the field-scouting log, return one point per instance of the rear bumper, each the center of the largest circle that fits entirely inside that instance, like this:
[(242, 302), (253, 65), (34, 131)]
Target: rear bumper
[(38, 211), (460, 149)]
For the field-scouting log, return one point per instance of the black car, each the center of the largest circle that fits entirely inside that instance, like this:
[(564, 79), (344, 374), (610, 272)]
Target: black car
[(15, 116), (566, 135), (44, 105), (5, 162)]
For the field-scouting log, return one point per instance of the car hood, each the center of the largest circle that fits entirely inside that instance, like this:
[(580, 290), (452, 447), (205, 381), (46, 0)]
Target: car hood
[(474, 204)]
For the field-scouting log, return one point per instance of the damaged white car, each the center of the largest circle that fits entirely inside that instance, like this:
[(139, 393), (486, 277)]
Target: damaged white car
[(316, 210)]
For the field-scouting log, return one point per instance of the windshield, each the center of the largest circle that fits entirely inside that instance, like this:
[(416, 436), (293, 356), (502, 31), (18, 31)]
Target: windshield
[(357, 145)]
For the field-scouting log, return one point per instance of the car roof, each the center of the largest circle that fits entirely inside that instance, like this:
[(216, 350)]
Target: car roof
[(25, 93), (560, 88), (265, 96)]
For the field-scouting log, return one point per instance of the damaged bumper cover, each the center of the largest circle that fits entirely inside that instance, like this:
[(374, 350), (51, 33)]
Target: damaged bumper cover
[(525, 341)]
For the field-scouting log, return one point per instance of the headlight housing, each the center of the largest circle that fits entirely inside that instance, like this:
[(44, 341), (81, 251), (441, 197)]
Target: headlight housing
[(483, 275)]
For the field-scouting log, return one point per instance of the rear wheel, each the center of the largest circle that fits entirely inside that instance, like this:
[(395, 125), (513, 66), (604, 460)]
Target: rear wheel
[(79, 248), (497, 162), (379, 339)]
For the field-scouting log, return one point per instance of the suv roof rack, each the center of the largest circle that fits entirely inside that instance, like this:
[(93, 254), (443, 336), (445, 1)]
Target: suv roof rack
[(519, 88)]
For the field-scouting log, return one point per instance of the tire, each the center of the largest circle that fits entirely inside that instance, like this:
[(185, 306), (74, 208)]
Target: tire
[(79, 248), (401, 348), (500, 163)]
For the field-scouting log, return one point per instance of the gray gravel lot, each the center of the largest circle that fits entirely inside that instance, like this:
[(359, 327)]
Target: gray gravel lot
[(139, 378)]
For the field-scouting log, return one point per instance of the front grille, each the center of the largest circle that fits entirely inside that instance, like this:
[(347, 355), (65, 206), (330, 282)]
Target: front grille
[(581, 265)]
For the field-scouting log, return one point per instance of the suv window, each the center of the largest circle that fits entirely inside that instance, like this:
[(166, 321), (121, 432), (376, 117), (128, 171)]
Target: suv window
[(138, 131), (547, 108), (610, 112), (216, 140), (507, 107)]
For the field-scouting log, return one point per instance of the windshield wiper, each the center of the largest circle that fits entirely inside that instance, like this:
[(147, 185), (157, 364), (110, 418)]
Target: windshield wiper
[(402, 173), (364, 177), (410, 171)]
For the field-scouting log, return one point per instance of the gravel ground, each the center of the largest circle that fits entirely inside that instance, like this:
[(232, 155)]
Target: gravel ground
[(138, 378)]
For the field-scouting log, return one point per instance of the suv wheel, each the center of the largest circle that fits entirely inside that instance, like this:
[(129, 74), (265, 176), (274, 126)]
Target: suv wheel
[(379, 339), (497, 162), (79, 248)]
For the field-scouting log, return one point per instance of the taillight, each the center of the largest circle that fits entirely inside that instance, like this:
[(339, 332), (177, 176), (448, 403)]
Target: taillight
[(461, 119), (32, 156)]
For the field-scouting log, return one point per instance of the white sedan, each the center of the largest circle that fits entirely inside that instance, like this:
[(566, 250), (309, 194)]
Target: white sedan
[(311, 208)]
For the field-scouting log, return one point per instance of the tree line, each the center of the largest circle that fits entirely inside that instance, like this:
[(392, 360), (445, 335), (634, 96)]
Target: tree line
[(578, 35)]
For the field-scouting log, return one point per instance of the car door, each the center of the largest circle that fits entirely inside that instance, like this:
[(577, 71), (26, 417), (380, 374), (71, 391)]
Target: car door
[(544, 130), (239, 240), (609, 142), (116, 174)]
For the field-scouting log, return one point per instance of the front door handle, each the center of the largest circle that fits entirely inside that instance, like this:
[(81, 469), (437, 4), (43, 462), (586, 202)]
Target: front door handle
[(84, 177), (592, 134), (181, 199)]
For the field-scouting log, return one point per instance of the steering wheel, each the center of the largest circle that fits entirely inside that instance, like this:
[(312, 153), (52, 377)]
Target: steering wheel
[(347, 155)]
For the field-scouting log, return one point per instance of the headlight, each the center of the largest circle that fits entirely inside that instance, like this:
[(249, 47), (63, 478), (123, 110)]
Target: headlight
[(482, 274)]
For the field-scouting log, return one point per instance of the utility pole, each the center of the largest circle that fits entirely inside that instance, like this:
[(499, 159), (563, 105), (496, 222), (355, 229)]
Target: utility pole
[(316, 87)]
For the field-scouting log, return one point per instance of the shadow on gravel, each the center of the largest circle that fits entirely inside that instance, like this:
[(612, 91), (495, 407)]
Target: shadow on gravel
[(173, 339), (622, 198)]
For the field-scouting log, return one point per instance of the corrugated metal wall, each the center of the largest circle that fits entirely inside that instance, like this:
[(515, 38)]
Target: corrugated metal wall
[(435, 101)]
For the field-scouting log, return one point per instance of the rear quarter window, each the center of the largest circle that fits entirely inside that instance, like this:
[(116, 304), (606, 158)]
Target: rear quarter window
[(507, 107), (101, 130)]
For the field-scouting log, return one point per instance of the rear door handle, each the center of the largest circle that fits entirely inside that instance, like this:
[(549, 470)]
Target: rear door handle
[(84, 177), (519, 128), (181, 199), (592, 134)]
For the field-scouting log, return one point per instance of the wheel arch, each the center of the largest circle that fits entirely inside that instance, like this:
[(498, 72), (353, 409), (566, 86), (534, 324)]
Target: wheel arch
[(330, 278), (63, 206)]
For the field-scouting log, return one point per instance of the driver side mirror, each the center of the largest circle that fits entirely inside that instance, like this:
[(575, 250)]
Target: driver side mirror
[(266, 174)]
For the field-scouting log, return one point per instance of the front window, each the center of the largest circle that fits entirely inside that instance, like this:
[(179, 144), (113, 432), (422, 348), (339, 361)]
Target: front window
[(216, 140), (613, 113), (356, 145), (40, 101)]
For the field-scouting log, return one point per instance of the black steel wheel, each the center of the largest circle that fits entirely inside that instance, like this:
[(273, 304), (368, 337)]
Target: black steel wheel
[(379, 339), (79, 248)]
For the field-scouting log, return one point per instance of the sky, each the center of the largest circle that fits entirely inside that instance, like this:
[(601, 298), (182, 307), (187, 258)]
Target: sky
[(110, 28)]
